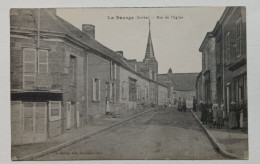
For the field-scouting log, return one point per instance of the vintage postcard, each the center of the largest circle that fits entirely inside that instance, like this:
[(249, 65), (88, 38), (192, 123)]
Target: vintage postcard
[(128, 83)]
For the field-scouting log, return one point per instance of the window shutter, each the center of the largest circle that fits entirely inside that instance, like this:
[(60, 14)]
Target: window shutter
[(111, 70), (115, 70), (111, 89), (29, 68), (114, 92), (94, 89), (99, 87), (43, 62)]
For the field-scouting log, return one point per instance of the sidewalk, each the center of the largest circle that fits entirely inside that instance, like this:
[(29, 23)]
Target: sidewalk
[(31, 151), (231, 143)]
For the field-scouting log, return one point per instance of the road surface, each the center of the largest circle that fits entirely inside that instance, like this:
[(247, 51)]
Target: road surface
[(163, 134)]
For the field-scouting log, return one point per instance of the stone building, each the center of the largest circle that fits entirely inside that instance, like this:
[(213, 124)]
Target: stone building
[(180, 85), (61, 77), (228, 43), (207, 49)]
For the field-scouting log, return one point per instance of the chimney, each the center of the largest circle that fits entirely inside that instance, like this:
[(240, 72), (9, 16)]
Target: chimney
[(121, 53), (89, 29)]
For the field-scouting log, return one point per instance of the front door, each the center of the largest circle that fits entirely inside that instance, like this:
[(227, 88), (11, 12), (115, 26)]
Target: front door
[(34, 122), (68, 115)]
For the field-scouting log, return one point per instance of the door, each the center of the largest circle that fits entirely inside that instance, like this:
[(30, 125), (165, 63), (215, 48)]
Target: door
[(16, 122), (34, 122), (68, 115), (74, 115)]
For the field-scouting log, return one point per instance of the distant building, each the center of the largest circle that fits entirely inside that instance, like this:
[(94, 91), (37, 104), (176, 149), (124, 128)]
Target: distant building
[(61, 77), (180, 85)]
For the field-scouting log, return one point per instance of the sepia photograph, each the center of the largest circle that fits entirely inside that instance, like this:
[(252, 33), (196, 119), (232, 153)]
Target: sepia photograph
[(128, 83)]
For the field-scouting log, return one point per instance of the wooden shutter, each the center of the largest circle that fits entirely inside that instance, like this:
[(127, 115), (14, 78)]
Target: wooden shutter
[(114, 70), (43, 62), (28, 116), (99, 90), (29, 68), (114, 92), (94, 90), (111, 91)]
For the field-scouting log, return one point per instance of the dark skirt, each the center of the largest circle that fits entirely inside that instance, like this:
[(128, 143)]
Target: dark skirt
[(204, 115)]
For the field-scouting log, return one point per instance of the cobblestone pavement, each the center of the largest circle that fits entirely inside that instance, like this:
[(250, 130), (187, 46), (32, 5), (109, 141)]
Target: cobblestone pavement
[(163, 134)]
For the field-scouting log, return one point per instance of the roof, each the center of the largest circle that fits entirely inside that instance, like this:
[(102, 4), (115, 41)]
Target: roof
[(182, 81), (27, 19)]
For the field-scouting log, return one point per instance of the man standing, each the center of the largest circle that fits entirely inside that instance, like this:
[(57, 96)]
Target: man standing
[(194, 104)]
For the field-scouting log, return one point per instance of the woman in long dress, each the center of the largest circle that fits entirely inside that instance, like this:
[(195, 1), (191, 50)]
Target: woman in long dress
[(107, 107), (214, 110), (204, 113), (233, 116)]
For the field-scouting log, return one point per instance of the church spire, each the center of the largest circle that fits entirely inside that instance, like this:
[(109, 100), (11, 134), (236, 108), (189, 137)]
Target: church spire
[(149, 48)]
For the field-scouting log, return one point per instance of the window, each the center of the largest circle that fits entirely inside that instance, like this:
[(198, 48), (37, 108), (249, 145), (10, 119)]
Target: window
[(32, 66), (132, 89), (72, 70), (238, 39), (54, 110), (96, 89), (227, 49)]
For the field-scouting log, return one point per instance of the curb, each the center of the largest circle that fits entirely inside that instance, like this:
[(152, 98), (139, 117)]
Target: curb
[(58, 147), (221, 148)]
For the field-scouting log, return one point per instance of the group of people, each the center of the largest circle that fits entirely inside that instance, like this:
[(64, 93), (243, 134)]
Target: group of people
[(212, 114)]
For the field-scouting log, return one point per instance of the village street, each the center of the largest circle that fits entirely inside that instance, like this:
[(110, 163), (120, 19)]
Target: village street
[(162, 134)]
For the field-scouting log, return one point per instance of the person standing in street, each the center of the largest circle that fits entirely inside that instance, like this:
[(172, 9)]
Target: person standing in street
[(232, 116), (108, 112), (203, 113), (219, 117), (222, 107), (194, 104), (184, 104), (214, 111), (179, 104)]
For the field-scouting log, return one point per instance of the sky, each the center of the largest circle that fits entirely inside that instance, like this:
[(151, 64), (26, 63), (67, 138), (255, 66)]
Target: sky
[(177, 33)]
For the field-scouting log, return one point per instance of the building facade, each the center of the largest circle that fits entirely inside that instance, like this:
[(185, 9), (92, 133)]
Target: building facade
[(61, 77), (180, 85), (229, 46)]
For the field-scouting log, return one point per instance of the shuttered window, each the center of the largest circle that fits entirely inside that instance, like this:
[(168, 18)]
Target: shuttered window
[(29, 68), (33, 63), (43, 62)]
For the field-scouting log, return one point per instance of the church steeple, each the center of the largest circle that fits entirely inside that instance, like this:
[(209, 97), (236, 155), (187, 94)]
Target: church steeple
[(149, 53)]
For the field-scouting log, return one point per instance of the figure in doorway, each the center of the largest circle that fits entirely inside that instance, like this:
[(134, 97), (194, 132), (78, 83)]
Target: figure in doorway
[(108, 111)]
